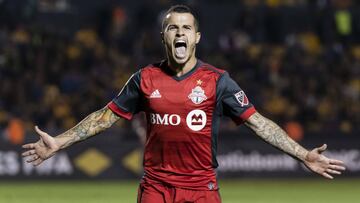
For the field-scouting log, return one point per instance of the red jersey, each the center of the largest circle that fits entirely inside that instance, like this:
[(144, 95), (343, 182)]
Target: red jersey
[(183, 115)]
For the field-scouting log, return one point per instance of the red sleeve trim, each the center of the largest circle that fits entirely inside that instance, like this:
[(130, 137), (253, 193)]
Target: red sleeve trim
[(245, 115), (118, 111)]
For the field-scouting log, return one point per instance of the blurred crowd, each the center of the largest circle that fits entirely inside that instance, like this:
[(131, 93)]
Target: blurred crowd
[(298, 61)]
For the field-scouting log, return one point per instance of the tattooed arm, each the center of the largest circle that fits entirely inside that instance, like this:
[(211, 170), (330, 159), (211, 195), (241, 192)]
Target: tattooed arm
[(47, 146), (274, 135), (93, 124)]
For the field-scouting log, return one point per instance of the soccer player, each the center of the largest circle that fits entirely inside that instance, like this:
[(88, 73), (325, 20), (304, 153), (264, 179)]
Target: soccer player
[(183, 99)]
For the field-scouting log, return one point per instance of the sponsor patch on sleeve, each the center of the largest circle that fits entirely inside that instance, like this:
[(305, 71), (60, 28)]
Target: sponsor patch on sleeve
[(241, 98)]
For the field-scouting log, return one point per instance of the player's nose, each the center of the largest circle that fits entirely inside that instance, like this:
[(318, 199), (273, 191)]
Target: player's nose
[(179, 32)]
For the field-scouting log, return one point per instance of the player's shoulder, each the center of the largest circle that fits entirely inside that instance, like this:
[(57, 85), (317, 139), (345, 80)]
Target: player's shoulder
[(210, 68), (153, 67), (151, 70)]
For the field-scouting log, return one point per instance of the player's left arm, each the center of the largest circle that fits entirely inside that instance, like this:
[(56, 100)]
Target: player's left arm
[(274, 135)]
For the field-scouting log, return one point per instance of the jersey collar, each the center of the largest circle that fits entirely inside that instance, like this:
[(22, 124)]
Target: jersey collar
[(164, 66)]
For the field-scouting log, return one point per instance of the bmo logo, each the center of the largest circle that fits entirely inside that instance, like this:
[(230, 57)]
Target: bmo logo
[(166, 119), (196, 120)]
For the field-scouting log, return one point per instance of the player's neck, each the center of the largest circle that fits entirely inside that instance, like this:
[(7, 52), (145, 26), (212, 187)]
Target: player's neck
[(182, 69)]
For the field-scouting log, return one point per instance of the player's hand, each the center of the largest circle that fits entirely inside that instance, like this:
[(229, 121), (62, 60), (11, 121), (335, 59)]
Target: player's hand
[(41, 150), (322, 165)]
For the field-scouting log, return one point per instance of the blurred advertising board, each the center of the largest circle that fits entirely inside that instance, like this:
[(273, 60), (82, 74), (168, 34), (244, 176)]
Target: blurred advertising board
[(111, 156)]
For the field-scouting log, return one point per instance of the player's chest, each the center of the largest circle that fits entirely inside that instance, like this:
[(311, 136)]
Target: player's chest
[(165, 94)]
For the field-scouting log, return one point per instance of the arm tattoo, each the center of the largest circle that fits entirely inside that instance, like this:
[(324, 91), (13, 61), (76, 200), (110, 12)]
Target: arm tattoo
[(93, 124), (273, 134)]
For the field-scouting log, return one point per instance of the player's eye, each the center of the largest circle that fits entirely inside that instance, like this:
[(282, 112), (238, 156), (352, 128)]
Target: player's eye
[(187, 27), (172, 27)]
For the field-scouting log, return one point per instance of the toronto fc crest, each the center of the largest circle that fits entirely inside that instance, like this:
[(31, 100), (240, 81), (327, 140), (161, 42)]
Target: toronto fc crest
[(197, 95)]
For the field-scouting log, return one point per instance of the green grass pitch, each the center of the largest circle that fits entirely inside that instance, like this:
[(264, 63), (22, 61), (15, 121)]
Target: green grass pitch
[(234, 191)]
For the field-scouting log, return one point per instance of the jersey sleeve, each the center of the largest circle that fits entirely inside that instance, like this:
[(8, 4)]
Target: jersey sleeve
[(127, 102), (233, 100)]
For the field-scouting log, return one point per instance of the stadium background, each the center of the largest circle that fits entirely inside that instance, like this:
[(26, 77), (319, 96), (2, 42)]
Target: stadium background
[(298, 61)]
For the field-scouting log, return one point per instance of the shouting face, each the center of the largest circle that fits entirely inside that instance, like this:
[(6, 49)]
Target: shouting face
[(180, 37)]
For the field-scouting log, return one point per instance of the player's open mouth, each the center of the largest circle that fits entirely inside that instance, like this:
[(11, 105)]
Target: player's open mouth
[(180, 48)]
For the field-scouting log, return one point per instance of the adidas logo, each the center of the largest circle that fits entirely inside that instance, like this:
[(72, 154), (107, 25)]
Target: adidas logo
[(155, 94)]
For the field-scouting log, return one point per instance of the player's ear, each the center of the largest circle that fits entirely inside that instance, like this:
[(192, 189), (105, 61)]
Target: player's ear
[(162, 37), (198, 36)]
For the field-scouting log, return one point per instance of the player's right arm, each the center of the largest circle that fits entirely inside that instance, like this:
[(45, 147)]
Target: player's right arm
[(47, 145), (124, 105)]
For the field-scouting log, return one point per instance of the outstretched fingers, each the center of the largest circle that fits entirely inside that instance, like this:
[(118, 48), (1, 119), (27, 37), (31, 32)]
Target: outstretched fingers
[(33, 158), (326, 175), (335, 167), (28, 153), (336, 162), (37, 161), (333, 171), (29, 146), (322, 165), (37, 152), (338, 168)]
